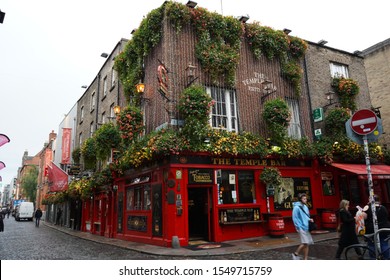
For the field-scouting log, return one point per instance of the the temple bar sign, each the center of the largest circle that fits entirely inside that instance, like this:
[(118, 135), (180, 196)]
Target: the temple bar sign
[(200, 176)]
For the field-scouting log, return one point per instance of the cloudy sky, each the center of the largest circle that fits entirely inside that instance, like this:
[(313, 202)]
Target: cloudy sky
[(49, 49)]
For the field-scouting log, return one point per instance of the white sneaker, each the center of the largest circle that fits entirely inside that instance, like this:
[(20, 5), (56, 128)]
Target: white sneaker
[(294, 257)]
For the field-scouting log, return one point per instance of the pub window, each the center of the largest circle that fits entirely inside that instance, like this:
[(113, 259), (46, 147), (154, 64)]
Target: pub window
[(224, 111), (138, 198), (294, 129), (232, 182), (246, 187), (338, 70)]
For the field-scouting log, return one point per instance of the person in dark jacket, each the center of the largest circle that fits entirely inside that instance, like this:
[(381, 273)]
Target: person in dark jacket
[(38, 215), (348, 234), (1, 223), (382, 216)]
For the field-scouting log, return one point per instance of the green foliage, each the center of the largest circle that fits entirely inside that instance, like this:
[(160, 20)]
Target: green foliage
[(347, 89), (266, 41), (271, 176), (130, 122), (218, 44), (129, 62), (107, 137), (30, 182), (88, 152), (195, 105), (335, 122), (76, 155), (277, 117)]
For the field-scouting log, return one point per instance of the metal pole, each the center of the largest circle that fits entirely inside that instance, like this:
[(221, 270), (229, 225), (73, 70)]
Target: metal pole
[(372, 202)]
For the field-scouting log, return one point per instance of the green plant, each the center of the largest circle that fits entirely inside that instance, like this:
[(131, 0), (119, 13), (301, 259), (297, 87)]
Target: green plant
[(130, 122), (271, 176), (277, 117), (218, 44), (347, 89), (107, 137), (76, 155), (88, 152), (335, 122)]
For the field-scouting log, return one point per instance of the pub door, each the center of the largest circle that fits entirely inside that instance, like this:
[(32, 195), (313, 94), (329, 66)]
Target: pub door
[(199, 213)]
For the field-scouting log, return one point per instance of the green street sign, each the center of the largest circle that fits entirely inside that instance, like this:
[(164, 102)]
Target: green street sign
[(318, 114)]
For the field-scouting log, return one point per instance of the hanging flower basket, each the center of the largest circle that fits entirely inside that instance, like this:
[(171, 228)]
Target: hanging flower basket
[(271, 176)]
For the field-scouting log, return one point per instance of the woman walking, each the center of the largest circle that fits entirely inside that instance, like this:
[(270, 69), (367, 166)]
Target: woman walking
[(348, 234)]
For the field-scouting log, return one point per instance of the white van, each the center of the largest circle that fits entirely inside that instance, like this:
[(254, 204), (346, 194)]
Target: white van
[(25, 210)]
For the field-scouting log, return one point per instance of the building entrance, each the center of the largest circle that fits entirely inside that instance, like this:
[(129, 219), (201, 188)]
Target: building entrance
[(199, 213)]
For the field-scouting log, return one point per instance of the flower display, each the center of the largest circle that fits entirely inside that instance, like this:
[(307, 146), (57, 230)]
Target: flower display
[(271, 176), (130, 122)]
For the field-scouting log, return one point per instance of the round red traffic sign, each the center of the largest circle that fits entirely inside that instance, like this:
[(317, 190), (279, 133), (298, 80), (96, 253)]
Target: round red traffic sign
[(364, 122)]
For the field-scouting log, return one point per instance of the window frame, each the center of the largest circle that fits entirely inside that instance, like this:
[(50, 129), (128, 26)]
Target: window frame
[(224, 108)]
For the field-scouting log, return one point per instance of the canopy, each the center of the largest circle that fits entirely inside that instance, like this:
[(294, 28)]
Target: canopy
[(378, 171), (3, 139)]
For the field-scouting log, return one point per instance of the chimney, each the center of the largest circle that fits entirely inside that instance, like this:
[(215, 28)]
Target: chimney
[(52, 136)]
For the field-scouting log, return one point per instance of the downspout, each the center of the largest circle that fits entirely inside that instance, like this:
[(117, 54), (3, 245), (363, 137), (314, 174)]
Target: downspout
[(309, 97), (97, 102)]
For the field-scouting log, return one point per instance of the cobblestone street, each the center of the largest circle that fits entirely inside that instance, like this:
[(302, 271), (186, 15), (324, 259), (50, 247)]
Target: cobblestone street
[(23, 241)]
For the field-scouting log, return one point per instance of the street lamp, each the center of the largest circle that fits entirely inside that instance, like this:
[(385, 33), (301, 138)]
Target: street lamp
[(117, 109), (140, 87), (2, 15)]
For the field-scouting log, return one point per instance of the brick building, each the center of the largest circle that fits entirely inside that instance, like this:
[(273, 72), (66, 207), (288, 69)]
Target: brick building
[(376, 61)]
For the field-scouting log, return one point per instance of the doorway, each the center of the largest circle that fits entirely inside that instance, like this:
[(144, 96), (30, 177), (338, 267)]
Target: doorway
[(199, 213)]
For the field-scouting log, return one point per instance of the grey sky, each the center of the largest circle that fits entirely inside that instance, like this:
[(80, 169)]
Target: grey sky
[(49, 49)]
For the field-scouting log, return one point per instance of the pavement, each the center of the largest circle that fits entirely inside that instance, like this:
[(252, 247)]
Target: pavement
[(202, 249)]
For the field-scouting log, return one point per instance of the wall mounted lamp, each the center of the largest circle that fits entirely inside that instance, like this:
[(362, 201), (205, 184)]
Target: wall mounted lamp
[(330, 97), (140, 87), (243, 19), (191, 4), (268, 89), (105, 55), (84, 86), (191, 74), (133, 31), (2, 15), (117, 109), (322, 42), (286, 31)]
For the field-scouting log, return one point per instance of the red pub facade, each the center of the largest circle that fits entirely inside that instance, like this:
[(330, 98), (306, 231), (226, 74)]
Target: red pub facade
[(189, 196)]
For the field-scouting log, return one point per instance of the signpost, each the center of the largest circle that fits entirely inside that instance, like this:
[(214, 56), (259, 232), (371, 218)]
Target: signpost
[(364, 122)]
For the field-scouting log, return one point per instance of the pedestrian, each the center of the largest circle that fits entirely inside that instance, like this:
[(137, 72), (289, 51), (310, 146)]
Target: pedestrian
[(59, 213), (347, 228), (8, 212), (1, 223), (301, 218), (382, 216), (38, 215)]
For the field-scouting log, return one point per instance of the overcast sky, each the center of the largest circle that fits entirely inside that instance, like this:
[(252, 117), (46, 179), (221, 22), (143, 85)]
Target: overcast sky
[(49, 49)]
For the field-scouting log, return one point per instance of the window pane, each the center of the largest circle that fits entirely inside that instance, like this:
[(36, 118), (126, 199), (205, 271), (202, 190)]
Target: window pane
[(227, 188), (246, 187)]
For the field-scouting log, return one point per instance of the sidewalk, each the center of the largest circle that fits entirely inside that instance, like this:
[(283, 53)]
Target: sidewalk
[(227, 247)]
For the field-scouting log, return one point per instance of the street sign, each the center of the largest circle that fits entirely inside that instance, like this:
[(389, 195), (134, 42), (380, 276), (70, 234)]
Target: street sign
[(371, 138), (364, 122)]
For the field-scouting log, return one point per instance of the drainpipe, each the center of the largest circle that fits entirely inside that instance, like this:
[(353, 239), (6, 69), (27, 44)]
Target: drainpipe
[(309, 97), (97, 102)]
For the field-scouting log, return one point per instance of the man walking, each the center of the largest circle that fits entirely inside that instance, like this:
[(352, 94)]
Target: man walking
[(38, 215), (301, 218)]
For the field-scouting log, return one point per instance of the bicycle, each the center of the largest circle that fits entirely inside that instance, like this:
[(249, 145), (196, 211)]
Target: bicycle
[(367, 252)]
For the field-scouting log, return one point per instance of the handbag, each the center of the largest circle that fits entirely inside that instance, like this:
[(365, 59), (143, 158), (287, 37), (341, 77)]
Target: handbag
[(312, 225)]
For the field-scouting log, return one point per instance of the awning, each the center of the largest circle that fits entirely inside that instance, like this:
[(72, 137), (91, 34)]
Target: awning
[(378, 171)]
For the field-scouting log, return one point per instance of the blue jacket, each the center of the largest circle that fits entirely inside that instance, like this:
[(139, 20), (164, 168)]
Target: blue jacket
[(300, 219)]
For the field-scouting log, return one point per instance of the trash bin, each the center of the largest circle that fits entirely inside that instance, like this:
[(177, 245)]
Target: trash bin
[(329, 219), (276, 226)]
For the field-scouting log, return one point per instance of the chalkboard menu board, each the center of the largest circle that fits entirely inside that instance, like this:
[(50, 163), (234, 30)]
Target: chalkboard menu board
[(239, 215)]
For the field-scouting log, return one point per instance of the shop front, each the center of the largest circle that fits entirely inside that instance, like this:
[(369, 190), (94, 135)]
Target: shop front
[(200, 197), (353, 183)]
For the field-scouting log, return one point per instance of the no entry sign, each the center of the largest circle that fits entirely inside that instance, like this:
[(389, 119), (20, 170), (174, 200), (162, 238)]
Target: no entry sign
[(364, 122)]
